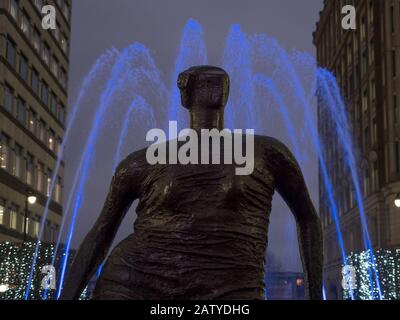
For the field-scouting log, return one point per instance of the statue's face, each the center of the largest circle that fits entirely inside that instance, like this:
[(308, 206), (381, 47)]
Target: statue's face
[(204, 86)]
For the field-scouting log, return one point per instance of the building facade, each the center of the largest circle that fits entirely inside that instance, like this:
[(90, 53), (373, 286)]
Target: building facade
[(33, 107), (366, 63)]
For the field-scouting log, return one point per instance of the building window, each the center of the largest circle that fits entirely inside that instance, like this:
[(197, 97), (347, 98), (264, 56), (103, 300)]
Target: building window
[(53, 104), (375, 177), (63, 78), (25, 25), (13, 217), (21, 112), (394, 64), (363, 29), (2, 211), (17, 168), (365, 101), (29, 169), (4, 151), (395, 110), (8, 98), (371, 11), (32, 121), (36, 40), (48, 182), (40, 178), (45, 93), (54, 66), (35, 81), (373, 90), (42, 130), (374, 131), (39, 4), (61, 114), (14, 9), (51, 140), (366, 183), (366, 139), (57, 190), (64, 44), (46, 54), (56, 33), (23, 68), (371, 52), (65, 10), (11, 52), (35, 226)]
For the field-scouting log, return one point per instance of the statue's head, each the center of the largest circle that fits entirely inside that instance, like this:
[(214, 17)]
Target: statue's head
[(205, 86)]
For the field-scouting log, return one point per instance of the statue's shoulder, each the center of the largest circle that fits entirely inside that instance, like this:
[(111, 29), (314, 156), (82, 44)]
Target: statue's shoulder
[(270, 144), (136, 161)]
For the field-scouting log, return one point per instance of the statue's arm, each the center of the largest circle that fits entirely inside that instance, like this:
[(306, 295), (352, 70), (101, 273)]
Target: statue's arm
[(97, 243), (292, 187)]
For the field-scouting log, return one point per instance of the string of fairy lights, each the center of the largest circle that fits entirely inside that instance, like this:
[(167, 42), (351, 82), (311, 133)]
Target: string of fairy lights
[(387, 263), (16, 261), (15, 264)]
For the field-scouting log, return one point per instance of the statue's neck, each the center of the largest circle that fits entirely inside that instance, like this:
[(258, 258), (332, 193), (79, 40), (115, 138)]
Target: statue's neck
[(206, 118)]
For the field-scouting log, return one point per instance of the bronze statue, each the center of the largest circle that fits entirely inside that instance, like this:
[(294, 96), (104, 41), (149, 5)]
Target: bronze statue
[(201, 231)]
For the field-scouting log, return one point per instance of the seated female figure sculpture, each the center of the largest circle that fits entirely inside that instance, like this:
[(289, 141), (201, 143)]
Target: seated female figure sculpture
[(201, 231)]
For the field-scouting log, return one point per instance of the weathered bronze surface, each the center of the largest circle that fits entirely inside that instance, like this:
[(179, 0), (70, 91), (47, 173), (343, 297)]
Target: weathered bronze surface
[(201, 231)]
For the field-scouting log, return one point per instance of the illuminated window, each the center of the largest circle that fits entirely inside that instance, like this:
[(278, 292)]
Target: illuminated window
[(17, 168), (42, 130), (25, 25), (40, 177), (14, 9), (4, 151), (48, 182), (29, 169), (51, 140), (35, 226), (32, 121), (299, 282), (36, 40), (57, 190), (46, 54), (54, 66), (2, 211), (13, 217)]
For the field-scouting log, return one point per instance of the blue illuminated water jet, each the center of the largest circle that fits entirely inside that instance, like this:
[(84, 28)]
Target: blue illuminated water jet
[(192, 51), (138, 109), (237, 62), (270, 86), (123, 73), (330, 94), (95, 72)]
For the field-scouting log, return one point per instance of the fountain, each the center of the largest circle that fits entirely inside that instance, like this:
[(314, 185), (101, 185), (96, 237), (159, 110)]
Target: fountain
[(267, 81)]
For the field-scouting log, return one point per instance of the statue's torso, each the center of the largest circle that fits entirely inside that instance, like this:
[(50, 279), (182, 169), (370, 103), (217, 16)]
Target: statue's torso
[(200, 232)]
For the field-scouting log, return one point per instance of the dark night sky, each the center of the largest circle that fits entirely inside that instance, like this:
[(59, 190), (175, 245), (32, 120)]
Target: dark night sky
[(98, 25)]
